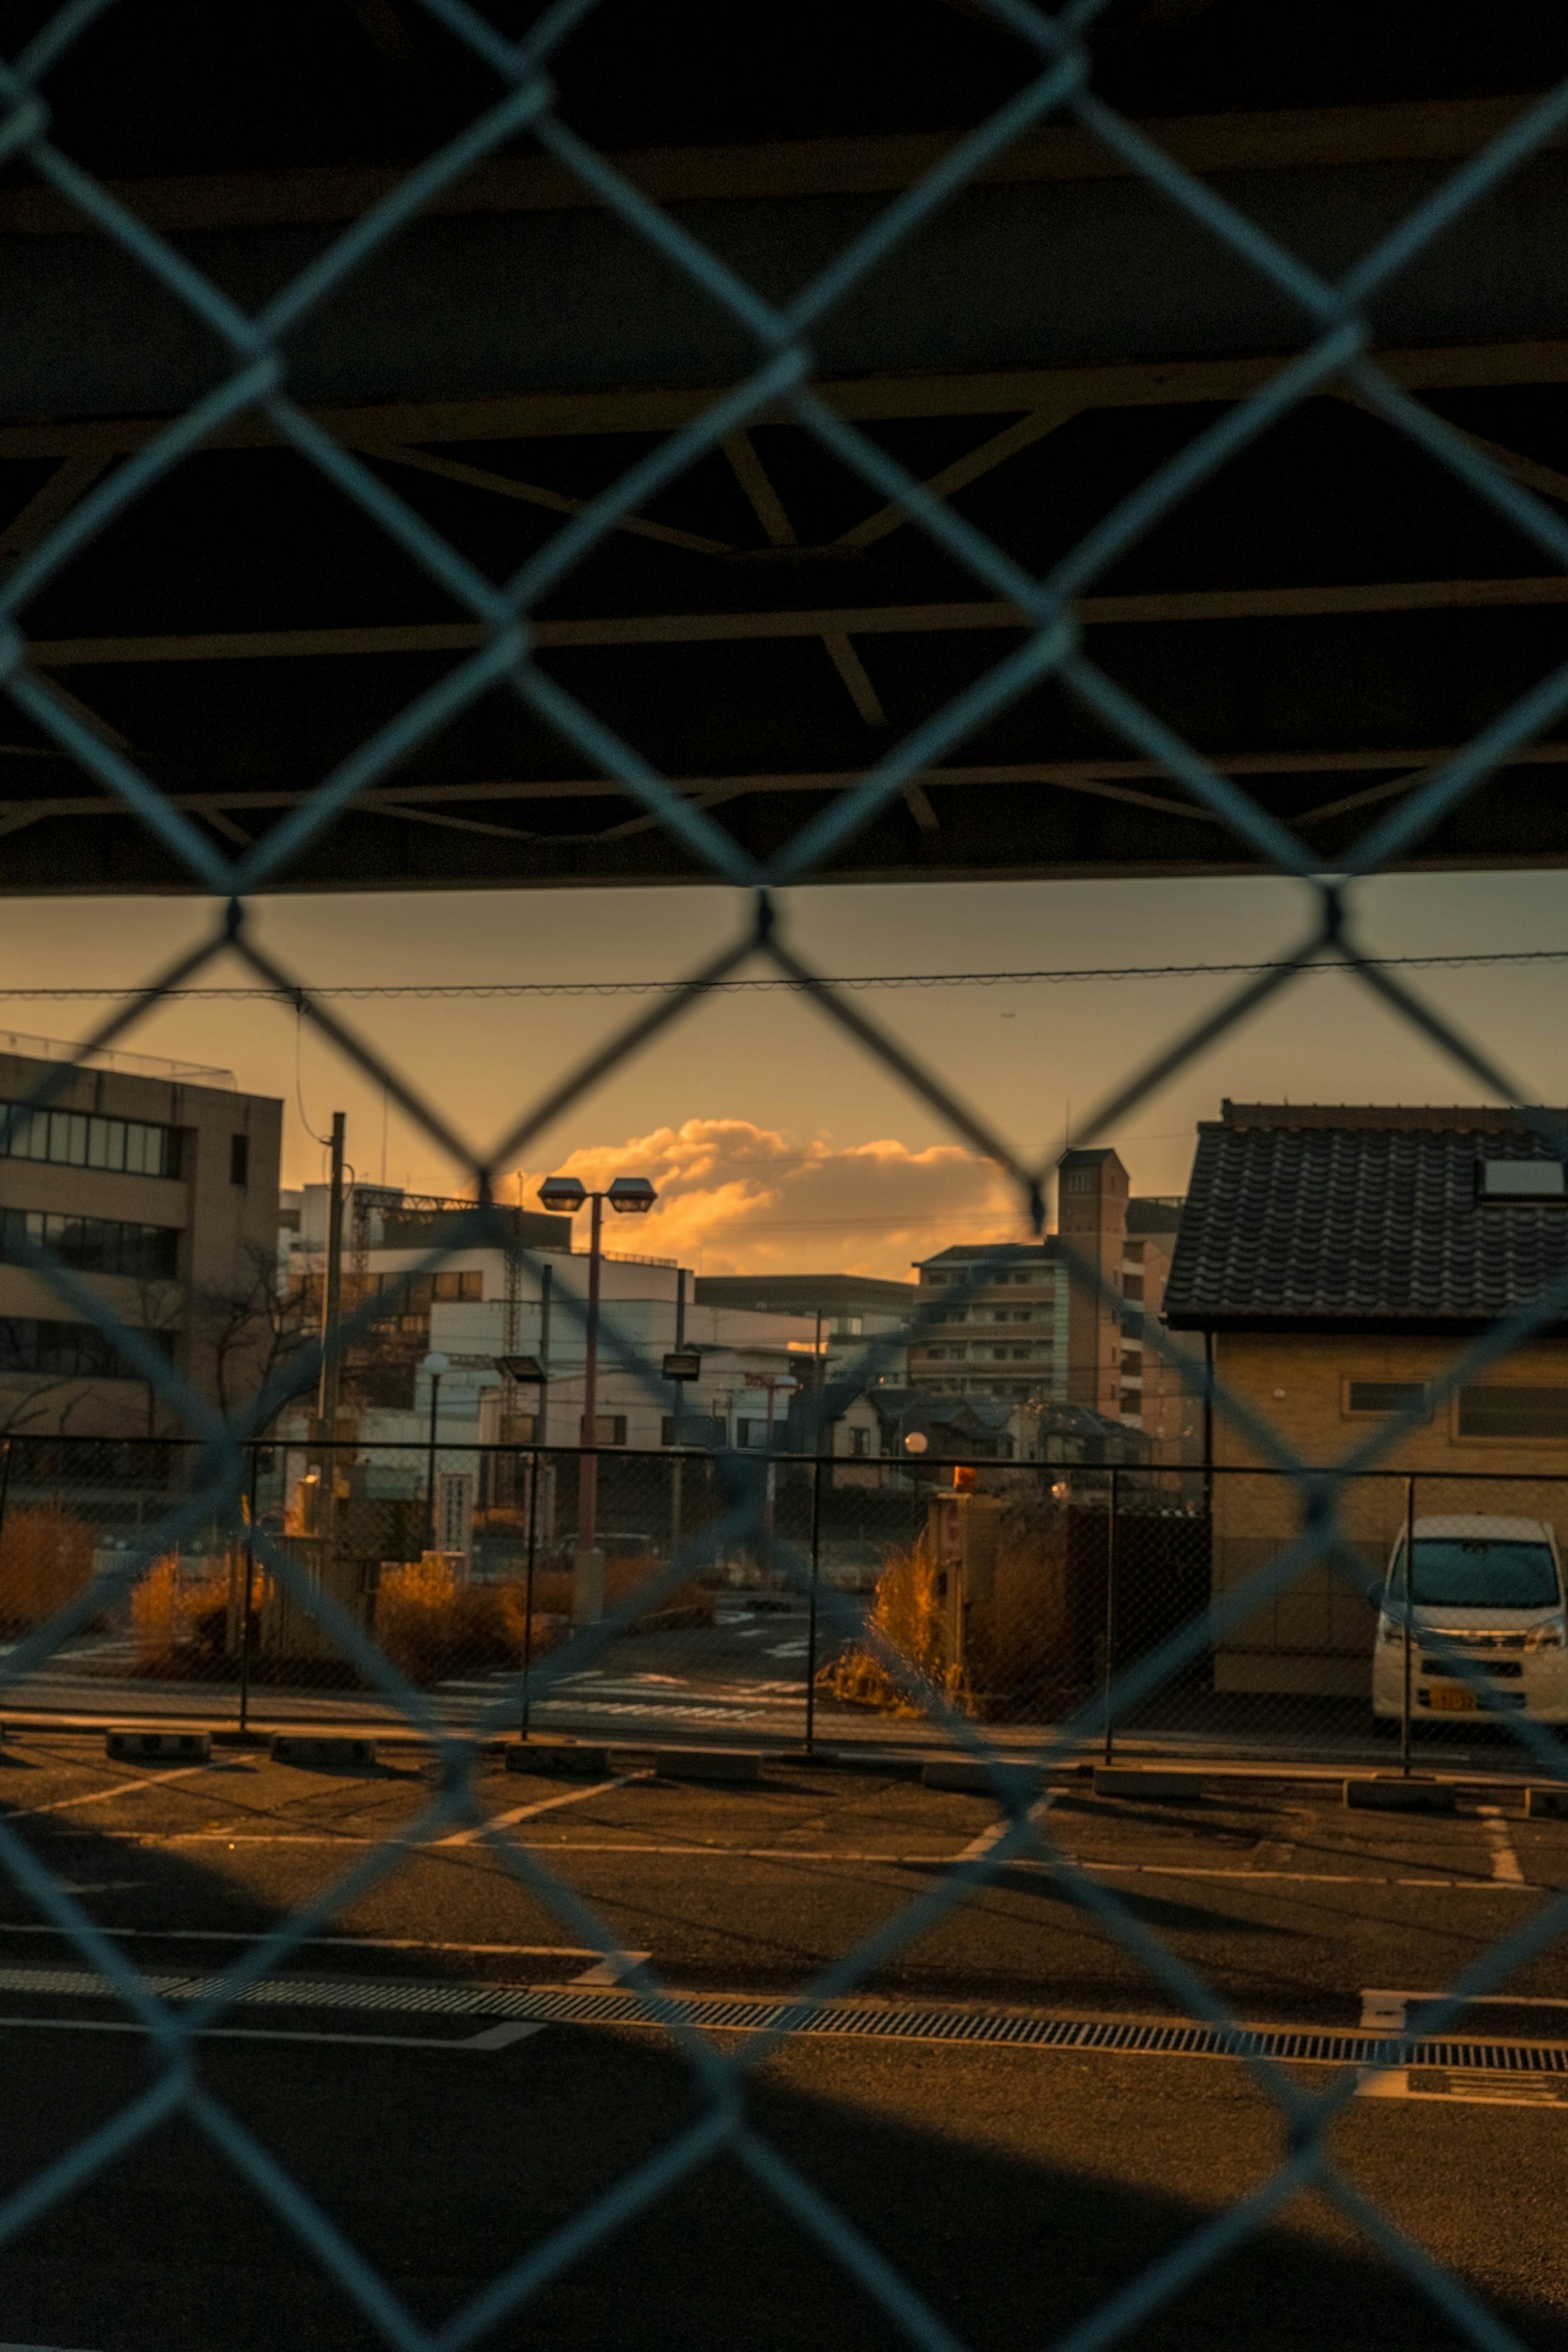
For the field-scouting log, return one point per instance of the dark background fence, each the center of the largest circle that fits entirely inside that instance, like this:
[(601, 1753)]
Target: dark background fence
[(1020, 1589)]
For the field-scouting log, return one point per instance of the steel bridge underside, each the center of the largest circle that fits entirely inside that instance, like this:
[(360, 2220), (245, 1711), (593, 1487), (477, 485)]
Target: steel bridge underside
[(1325, 619)]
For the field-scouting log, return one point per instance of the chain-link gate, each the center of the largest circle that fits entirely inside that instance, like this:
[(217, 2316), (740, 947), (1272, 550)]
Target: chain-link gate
[(1316, 1541)]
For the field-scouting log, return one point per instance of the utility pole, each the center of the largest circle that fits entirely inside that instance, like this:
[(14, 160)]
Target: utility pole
[(332, 1294)]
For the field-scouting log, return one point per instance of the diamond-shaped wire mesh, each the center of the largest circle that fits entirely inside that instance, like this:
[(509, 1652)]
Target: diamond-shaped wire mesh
[(1336, 344)]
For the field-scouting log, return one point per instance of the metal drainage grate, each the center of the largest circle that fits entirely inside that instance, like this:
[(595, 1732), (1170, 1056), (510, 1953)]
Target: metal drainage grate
[(738, 2013)]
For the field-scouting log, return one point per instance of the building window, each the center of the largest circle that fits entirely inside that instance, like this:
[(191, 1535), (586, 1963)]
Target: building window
[(93, 1244), (861, 1443), (1133, 1286), (1078, 1180), (449, 1286), (1383, 1396), (74, 1139), (1132, 1361), (1512, 1413), (239, 1159), (1133, 1252), (847, 1327), (609, 1429), (68, 1350)]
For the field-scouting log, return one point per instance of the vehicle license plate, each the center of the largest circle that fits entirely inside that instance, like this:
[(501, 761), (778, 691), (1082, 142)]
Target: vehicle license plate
[(1454, 1702)]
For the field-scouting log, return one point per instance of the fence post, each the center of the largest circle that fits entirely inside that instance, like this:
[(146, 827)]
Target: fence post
[(249, 1585), (1409, 1591), (1110, 1612), (528, 1592), (6, 1482), (811, 1607)]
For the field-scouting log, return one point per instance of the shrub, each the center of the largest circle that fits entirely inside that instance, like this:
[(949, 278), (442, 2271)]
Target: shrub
[(909, 1615), (46, 1557), (432, 1627), (179, 1625)]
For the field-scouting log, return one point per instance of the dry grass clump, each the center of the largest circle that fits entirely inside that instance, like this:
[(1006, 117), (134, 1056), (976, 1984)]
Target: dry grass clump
[(432, 1627), (178, 1624), (46, 1557), (908, 1613)]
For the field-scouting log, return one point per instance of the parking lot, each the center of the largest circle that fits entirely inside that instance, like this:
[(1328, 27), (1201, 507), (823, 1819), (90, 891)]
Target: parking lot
[(449, 2002)]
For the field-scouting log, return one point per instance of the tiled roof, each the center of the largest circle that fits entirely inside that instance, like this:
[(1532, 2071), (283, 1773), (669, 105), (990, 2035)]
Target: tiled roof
[(1323, 1217)]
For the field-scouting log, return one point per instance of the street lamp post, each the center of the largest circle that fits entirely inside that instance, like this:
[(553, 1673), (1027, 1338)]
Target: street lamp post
[(631, 1196), (435, 1364)]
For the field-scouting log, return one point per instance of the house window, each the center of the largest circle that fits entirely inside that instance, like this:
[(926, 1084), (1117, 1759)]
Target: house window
[(609, 1429), (1512, 1413), (860, 1442), (239, 1159), (1383, 1396)]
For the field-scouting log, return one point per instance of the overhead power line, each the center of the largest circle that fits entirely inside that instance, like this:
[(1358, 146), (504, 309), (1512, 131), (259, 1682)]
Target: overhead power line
[(764, 984)]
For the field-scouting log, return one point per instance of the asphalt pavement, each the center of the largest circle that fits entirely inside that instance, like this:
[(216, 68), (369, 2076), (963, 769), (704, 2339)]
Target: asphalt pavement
[(451, 2068)]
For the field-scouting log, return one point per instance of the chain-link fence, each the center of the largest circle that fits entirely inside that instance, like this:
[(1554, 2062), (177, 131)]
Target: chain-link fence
[(1076, 1607), (1023, 1592)]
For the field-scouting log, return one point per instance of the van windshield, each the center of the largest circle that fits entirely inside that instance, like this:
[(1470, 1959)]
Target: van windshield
[(1477, 1572)]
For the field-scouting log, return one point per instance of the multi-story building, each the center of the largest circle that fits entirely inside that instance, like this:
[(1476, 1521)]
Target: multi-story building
[(1004, 1333), (157, 1185), (1023, 1325)]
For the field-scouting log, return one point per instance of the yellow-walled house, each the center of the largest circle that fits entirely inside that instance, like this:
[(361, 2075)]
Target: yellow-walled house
[(1339, 1260)]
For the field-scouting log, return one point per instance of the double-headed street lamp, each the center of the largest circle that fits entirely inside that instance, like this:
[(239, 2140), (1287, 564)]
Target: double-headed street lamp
[(629, 1196)]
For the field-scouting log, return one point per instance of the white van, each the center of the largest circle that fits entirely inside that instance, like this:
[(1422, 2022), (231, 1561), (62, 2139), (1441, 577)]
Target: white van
[(1494, 1587)]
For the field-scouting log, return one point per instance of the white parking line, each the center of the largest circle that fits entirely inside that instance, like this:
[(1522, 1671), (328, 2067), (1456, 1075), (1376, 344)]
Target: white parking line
[(543, 1805), (1505, 1861), (120, 1788)]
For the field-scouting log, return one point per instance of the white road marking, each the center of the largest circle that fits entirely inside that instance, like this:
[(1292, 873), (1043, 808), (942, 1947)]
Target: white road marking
[(334, 1943), (1505, 1861), (120, 1788), (545, 1805), (604, 1971), (1464, 2087)]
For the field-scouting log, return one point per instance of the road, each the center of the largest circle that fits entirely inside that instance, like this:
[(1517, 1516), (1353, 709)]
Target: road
[(742, 1679), (401, 2071)]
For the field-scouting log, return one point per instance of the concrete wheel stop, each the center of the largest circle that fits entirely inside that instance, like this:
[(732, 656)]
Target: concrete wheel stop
[(575, 1760), (1393, 1793)]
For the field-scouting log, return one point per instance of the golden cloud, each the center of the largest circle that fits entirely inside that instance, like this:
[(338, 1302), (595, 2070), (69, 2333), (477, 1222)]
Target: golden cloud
[(734, 1198)]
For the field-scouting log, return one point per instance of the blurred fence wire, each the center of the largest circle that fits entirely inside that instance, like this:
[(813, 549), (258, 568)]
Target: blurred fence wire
[(1314, 1534)]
